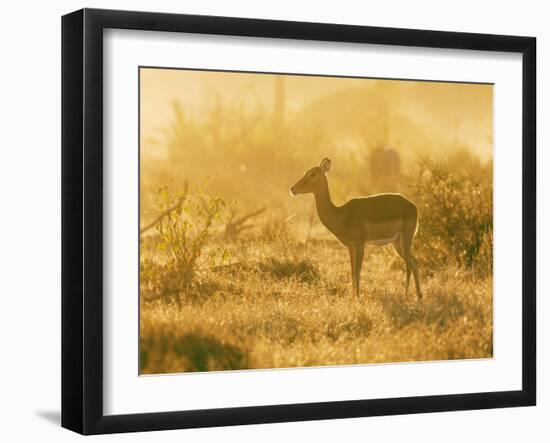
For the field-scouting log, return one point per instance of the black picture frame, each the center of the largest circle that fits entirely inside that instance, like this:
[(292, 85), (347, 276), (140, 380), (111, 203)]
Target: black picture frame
[(82, 218)]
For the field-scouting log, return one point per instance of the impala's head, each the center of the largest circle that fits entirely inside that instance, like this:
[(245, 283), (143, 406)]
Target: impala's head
[(314, 180)]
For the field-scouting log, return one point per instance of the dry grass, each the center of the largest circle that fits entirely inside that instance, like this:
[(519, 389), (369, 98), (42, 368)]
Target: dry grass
[(274, 310)]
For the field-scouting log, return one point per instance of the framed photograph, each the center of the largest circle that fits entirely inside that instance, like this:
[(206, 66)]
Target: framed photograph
[(268, 221)]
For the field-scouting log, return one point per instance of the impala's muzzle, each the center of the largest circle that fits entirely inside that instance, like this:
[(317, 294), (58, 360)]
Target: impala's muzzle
[(297, 188), (300, 187)]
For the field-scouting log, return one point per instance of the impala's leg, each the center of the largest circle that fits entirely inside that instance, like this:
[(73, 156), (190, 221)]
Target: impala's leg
[(397, 246), (407, 235), (359, 253), (352, 253), (412, 263)]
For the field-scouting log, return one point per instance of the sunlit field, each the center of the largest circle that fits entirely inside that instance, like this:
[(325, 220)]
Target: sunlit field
[(235, 273)]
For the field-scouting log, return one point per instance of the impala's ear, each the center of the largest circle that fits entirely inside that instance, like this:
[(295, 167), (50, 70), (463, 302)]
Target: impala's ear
[(325, 164)]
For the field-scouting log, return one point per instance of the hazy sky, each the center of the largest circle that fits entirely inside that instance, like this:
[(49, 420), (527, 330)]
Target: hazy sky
[(444, 111)]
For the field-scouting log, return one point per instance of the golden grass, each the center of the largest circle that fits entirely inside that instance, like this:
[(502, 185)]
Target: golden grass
[(286, 308)]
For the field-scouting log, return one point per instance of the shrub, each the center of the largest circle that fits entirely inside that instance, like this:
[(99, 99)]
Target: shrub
[(456, 214), (185, 231)]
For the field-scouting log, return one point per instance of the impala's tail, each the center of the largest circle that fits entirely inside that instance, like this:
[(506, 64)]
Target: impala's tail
[(410, 212)]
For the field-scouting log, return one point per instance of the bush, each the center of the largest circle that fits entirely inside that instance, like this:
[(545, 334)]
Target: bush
[(185, 231), (456, 214)]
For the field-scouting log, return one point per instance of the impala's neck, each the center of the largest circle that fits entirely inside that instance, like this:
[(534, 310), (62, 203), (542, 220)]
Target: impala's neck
[(326, 210)]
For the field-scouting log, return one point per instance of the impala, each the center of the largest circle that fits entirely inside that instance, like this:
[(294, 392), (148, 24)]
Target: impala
[(376, 220)]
